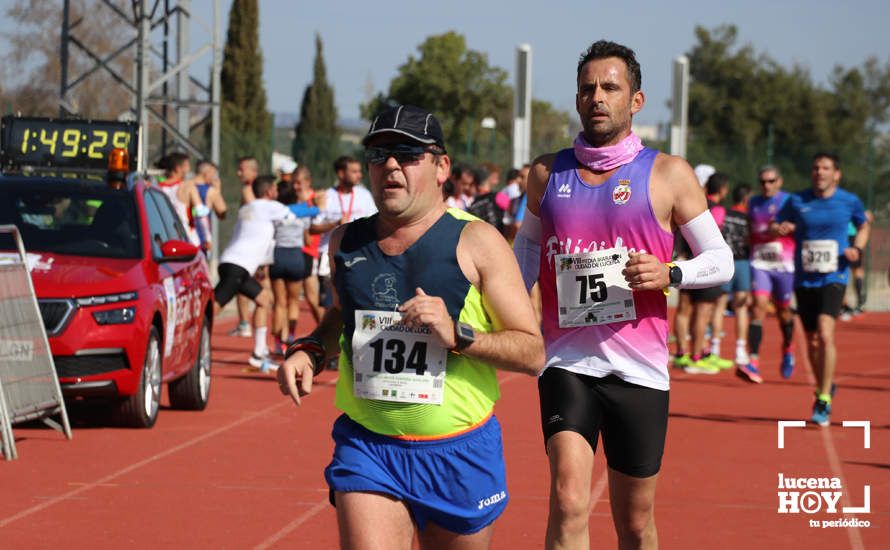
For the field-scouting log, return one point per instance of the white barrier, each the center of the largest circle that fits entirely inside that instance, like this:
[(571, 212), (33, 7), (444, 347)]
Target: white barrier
[(29, 386)]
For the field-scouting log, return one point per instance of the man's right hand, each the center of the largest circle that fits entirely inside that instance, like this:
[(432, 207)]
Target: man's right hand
[(297, 367)]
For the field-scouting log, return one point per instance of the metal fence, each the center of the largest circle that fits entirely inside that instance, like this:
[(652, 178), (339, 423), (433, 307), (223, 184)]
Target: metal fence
[(29, 387)]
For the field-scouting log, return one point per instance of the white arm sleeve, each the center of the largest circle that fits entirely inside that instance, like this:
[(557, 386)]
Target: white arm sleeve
[(527, 248), (711, 264)]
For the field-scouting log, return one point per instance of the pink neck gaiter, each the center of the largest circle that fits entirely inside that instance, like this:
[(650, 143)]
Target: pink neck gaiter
[(600, 159)]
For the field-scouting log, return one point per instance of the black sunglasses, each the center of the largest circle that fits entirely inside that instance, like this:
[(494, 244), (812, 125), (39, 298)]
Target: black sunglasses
[(401, 152)]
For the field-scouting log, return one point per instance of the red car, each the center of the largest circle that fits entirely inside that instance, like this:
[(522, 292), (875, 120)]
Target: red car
[(126, 300)]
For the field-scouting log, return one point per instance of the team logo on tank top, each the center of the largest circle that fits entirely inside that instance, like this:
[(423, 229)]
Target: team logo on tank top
[(383, 289), (621, 193)]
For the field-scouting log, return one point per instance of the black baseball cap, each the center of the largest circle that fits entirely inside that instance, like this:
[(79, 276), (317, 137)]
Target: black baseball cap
[(408, 120)]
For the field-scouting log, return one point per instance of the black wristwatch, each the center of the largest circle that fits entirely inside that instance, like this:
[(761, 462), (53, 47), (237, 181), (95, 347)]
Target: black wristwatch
[(675, 275), (464, 335)]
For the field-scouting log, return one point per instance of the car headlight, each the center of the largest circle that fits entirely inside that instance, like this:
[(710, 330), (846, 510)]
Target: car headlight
[(118, 316), (106, 299)]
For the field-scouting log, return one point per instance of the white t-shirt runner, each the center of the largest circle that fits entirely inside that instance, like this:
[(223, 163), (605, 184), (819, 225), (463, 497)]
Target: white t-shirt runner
[(252, 242)]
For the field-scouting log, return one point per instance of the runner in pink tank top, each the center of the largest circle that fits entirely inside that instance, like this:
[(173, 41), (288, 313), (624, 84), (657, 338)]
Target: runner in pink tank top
[(597, 237)]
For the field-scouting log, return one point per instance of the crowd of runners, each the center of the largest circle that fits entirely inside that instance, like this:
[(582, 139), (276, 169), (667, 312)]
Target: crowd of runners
[(418, 299)]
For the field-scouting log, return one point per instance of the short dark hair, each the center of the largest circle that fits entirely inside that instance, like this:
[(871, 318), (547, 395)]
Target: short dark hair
[(602, 49), (172, 161), (833, 157), (286, 193), (302, 169), (717, 182), (740, 193), (249, 159), (512, 174), (343, 161), (202, 163), (261, 184)]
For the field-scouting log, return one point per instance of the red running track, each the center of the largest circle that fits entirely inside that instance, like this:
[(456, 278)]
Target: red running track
[(247, 472)]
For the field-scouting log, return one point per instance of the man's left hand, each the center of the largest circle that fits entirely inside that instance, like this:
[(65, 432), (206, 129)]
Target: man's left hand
[(646, 272)]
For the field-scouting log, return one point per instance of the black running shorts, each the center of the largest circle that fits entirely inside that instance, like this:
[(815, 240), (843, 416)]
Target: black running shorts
[(815, 301), (709, 294), (234, 279), (632, 418)]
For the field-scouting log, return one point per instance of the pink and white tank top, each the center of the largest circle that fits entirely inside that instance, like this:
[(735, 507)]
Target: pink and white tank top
[(578, 218)]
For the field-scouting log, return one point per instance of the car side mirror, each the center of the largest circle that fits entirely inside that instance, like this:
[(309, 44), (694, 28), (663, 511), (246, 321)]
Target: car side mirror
[(178, 251)]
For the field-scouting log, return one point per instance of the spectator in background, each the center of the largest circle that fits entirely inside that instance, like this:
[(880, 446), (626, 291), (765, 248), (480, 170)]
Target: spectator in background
[(252, 246), (347, 201), (286, 171), (705, 358), (247, 172), (857, 271), (183, 194), (462, 183), (737, 233), (288, 268), (210, 190), (683, 316), (515, 192), (302, 183), (484, 204)]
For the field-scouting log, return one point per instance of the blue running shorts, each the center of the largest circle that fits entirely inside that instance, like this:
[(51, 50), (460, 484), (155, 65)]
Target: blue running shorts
[(458, 483)]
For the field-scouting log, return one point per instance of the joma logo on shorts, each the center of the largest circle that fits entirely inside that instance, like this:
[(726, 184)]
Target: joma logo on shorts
[(493, 499)]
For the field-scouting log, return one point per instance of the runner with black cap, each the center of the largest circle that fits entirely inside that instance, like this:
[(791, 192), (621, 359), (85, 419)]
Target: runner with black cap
[(428, 303)]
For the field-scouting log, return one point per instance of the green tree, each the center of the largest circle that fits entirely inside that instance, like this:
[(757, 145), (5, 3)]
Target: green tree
[(745, 109), (317, 138), (455, 83), (550, 129), (245, 125)]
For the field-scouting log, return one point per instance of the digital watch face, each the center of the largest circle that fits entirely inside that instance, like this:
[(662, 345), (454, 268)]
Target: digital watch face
[(58, 143)]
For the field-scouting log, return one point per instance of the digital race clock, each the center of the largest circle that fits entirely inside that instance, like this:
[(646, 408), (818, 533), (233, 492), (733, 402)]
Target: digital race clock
[(63, 143)]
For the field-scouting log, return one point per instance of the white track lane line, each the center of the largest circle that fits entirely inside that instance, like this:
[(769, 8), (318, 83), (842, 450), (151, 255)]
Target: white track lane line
[(298, 521), (853, 533), (320, 505), (191, 442)]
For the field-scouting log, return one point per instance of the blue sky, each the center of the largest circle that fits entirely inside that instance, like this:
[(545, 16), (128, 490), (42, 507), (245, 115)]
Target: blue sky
[(365, 42)]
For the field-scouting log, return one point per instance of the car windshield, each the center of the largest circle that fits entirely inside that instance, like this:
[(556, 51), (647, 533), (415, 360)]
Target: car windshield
[(75, 219)]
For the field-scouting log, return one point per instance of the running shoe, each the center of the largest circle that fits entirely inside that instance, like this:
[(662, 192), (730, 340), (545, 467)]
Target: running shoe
[(702, 366), (242, 329), (821, 412), (719, 362), (681, 361), (262, 363), (787, 364), (749, 373)]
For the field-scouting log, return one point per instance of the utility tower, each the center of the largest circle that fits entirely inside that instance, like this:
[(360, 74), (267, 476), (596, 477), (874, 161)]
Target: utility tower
[(168, 100)]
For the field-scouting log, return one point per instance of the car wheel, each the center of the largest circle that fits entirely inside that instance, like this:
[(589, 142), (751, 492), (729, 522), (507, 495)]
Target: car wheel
[(192, 391), (140, 410)]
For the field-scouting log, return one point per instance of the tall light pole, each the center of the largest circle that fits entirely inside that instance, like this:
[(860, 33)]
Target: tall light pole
[(522, 106)]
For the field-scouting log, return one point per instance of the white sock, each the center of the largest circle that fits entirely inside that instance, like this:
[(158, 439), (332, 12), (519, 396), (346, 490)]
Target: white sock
[(715, 346), (741, 351), (259, 342)]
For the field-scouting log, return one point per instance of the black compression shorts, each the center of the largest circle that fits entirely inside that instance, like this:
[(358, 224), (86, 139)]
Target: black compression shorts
[(234, 279), (822, 300), (632, 418)]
